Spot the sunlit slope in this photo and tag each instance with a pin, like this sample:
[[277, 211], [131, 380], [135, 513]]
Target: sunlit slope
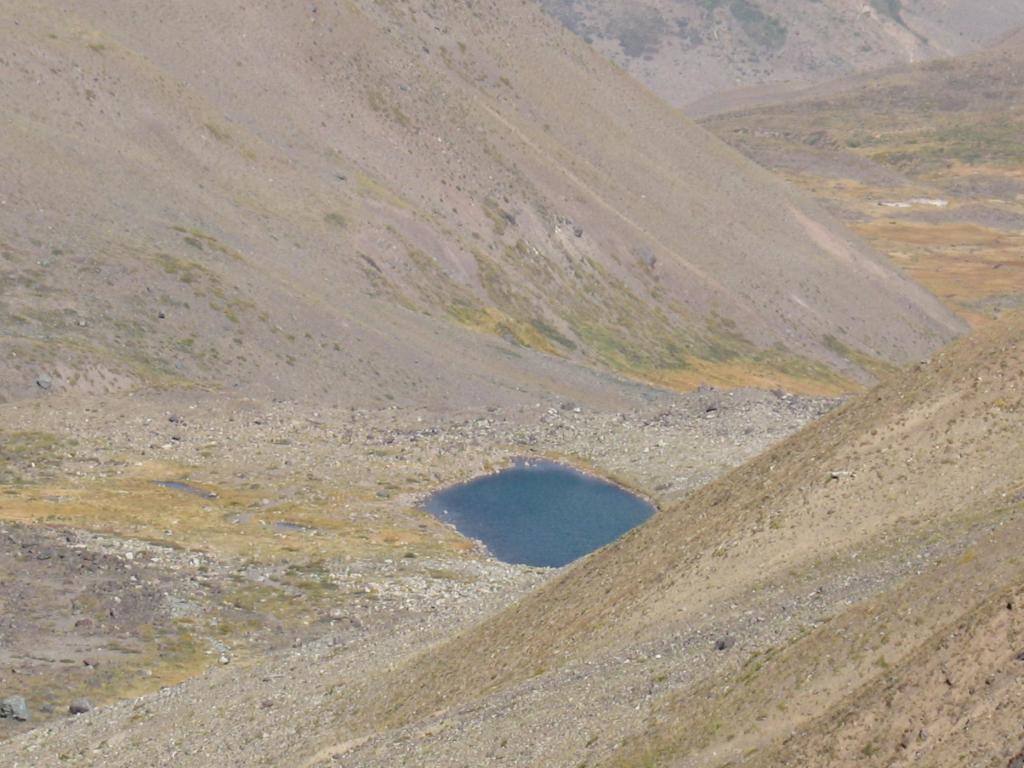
[[897, 514], [382, 202]]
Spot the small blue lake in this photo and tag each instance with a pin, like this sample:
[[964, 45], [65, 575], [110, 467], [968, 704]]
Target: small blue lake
[[539, 513]]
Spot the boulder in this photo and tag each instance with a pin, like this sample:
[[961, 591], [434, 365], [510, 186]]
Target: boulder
[[14, 708], [80, 706], [725, 643]]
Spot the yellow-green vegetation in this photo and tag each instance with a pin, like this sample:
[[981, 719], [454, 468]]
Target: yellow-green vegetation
[[964, 264], [879, 368], [233, 524], [494, 321], [952, 130], [155, 657], [969, 265], [161, 657], [500, 218], [720, 357], [336, 220], [678, 363], [187, 271], [218, 132], [382, 105], [202, 241], [290, 597], [615, 328], [764, 371]]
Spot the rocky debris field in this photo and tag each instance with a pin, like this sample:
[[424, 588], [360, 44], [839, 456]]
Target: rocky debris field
[[664, 448], [90, 619], [148, 540]]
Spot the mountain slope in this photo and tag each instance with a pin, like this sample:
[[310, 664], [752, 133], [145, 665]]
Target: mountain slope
[[371, 203], [867, 536], [686, 51]]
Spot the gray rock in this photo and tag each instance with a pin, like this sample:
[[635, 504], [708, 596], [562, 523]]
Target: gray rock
[[80, 706], [14, 708], [44, 381], [725, 643]]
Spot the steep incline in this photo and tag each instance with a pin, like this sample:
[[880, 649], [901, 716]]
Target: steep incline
[[898, 514], [375, 202]]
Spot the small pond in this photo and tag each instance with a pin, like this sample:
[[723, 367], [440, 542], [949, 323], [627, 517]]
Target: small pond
[[174, 485], [539, 513]]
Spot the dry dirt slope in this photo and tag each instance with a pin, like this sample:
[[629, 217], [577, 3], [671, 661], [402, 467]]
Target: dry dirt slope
[[697, 50], [370, 202], [900, 515]]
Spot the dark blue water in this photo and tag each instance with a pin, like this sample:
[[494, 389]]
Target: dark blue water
[[540, 513]]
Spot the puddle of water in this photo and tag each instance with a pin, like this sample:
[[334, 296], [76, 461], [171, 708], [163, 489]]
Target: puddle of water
[[539, 513], [174, 485]]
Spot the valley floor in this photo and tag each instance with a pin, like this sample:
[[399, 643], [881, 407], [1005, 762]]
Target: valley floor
[[298, 558]]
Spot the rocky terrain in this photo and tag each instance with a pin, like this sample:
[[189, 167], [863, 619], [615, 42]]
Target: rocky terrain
[[287, 524], [271, 274], [698, 54], [774, 616]]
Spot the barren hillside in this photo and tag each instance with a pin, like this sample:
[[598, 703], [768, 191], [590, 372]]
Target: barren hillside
[[697, 50], [374, 203]]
